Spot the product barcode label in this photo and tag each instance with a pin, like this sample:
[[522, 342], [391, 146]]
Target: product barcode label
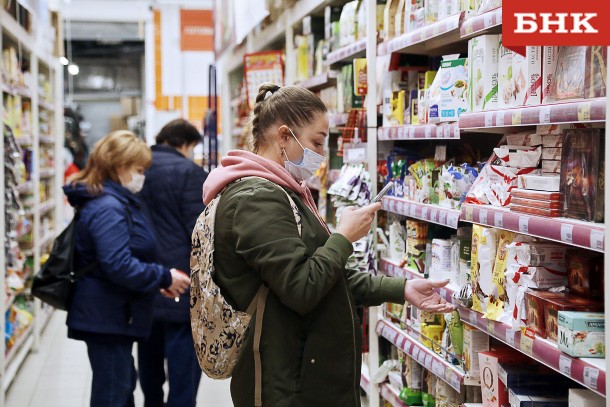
[[483, 216], [433, 215], [524, 224], [565, 365], [517, 118], [510, 338], [499, 220], [473, 318], [489, 119], [590, 377], [500, 119], [442, 218], [424, 212], [566, 233], [428, 132], [597, 240], [545, 114]]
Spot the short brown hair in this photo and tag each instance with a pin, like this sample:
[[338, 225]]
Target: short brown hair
[[293, 106], [118, 149]]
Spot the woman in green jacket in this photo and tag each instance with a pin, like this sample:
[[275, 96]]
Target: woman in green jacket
[[311, 336]]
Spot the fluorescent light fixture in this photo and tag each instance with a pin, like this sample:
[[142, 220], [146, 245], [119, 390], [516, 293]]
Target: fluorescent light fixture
[[64, 61], [73, 69]]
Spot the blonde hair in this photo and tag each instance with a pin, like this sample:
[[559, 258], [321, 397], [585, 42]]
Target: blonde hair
[[290, 105], [118, 149]]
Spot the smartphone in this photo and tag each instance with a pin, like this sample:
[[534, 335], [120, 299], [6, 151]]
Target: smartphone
[[381, 193]]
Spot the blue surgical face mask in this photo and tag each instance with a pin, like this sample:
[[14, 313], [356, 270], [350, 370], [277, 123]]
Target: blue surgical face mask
[[308, 165]]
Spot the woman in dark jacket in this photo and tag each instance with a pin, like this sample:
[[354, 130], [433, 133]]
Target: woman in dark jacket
[[112, 304], [172, 195], [311, 337]]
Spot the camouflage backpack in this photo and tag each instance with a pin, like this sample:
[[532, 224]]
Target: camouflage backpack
[[218, 329]]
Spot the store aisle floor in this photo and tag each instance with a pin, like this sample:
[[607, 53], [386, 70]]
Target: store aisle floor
[[59, 375]]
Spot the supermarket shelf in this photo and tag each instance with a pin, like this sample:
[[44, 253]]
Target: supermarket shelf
[[589, 372], [46, 105], [11, 27], [24, 233], [579, 111], [46, 140], [365, 378], [429, 213], [419, 132], [45, 314], [270, 35], [485, 23], [337, 120], [333, 175], [10, 299], [16, 91], [303, 8], [46, 206], [16, 356], [423, 355], [389, 394], [391, 268], [569, 231], [47, 239], [325, 80], [432, 39], [25, 188], [24, 140], [47, 172], [348, 53]]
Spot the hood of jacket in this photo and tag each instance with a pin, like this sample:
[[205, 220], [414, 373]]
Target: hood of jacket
[[78, 195], [240, 164]]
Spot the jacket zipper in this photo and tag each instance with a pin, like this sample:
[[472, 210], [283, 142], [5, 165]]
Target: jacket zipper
[[354, 381]]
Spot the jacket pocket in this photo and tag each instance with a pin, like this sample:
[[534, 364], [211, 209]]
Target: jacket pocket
[[308, 361]]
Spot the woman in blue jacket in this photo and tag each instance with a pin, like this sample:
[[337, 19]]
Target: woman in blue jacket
[[112, 304]]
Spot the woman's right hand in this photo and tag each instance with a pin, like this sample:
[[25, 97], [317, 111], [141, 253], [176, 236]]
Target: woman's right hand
[[356, 222], [180, 283]]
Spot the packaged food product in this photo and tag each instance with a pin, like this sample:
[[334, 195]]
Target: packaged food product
[[570, 74], [568, 302], [551, 166], [484, 246], [432, 8], [432, 334], [506, 82], [483, 55], [537, 254], [493, 390], [497, 297], [552, 140], [388, 19], [413, 374], [582, 174], [524, 139], [521, 398], [398, 239], [475, 341], [494, 184], [549, 66], [549, 213], [585, 273], [551, 153], [535, 306], [417, 235], [447, 98], [518, 156], [347, 24], [441, 260], [585, 398], [360, 79], [399, 18], [488, 5], [527, 72], [414, 104], [595, 76], [536, 204], [411, 8], [541, 278], [549, 183], [537, 195], [581, 334]]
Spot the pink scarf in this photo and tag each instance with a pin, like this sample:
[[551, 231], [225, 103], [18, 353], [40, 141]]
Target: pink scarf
[[239, 164]]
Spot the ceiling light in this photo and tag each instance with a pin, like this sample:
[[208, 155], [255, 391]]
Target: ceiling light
[[64, 61], [73, 69]]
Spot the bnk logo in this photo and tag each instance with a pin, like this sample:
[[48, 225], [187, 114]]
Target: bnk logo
[[555, 22]]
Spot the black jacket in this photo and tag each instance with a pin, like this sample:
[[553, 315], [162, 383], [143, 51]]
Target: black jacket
[[173, 195]]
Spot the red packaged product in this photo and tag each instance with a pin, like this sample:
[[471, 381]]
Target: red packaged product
[[549, 213], [551, 153], [569, 302], [535, 304], [551, 166], [585, 273], [552, 140], [536, 203], [538, 195]]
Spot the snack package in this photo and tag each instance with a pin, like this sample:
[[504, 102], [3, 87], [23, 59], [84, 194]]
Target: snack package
[[532, 210], [536, 254], [541, 278], [411, 393], [568, 302], [585, 398], [551, 166], [441, 260], [582, 175], [347, 24], [447, 98], [475, 341], [595, 76], [417, 235], [527, 72], [494, 184], [398, 240], [570, 74], [484, 247], [531, 398], [483, 55], [518, 156], [496, 300], [488, 5], [399, 18], [552, 140], [551, 153], [412, 15], [494, 391], [536, 195], [535, 204], [524, 139], [549, 66], [506, 81], [535, 304], [581, 334], [549, 183], [454, 184], [585, 273]]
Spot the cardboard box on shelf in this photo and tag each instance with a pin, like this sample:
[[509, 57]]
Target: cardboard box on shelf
[[569, 302], [551, 153], [595, 76], [475, 341], [581, 334], [447, 97], [493, 390], [551, 166], [549, 183], [549, 65], [483, 55], [585, 273], [585, 398], [506, 82], [527, 73], [552, 140]]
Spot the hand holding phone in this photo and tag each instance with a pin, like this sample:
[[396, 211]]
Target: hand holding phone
[[383, 192]]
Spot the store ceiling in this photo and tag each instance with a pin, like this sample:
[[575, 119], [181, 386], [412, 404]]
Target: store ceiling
[[108, 32]]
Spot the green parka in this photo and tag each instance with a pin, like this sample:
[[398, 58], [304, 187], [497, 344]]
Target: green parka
[[311, 336]]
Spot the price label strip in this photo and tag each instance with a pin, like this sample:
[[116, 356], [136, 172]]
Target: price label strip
[[524, 224], [590, 376], [597, 240], [473, 318], [584, 112], [499, 219], [483, 216], [510, 337], [500, 119], [545, 115], [527, 341], [567, 233], [428, 132], [489, 119], [517, 118], [565, 365], [442, 218]]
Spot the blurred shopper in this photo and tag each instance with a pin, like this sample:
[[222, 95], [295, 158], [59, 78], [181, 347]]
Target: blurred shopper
[[172, 193], [112, 303]]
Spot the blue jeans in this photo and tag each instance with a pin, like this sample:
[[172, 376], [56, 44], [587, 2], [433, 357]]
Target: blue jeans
[[174, 342], [114, 373]]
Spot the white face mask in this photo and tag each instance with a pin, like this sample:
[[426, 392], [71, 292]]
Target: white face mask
[[308, 165], [136, 184]]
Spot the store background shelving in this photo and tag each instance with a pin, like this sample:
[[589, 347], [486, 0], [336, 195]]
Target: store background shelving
[[448, 36], [43, 93]]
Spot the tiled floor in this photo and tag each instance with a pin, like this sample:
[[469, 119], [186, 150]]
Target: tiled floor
[[59, 375]]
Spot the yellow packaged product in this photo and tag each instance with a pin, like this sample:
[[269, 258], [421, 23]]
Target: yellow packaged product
[[498, 296], [484, 244]]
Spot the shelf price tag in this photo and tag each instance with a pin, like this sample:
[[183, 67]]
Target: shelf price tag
[[566, 233], [454, 381], [565, 365], [438, 369], [584, 112], [412, 211], [489, 119], [489, 20], [429, 132], [499, 219], [411, 132], [545, 114], [429, 362], [483, 216], [468, 27], [473, 318], [597, 240], [453, 220], [456, 131], [527, 341], [500, 119], [524, 224], [424, 212], [446, 131], [491, 327], [433, 215], [442, 218], [469, 213], [415, 354], [590, 377], [510, 337], [517, 118]]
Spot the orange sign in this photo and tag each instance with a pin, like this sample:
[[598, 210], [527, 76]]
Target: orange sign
[[196, 30]]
